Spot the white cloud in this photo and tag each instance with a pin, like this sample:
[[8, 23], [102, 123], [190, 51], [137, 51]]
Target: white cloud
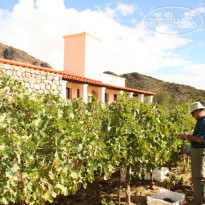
[[125, 9], [120, 9], [131, 54], [3, 13], [110, 12], [193, 75], [200, 9], [197, 69], [193, 12], [39, 29]]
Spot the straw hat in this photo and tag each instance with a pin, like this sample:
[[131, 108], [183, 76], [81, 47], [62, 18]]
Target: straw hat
[[195, 106]]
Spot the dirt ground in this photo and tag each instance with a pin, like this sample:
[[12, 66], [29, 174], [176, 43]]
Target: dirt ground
[[106, 192]]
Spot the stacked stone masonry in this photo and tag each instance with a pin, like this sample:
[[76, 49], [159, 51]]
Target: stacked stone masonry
[[35, 80]]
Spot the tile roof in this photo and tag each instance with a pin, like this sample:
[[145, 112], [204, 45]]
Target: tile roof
[[75, 78]]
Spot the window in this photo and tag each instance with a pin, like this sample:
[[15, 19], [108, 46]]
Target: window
[[78, 93], [106, 98], [115, 97], [68, 94]]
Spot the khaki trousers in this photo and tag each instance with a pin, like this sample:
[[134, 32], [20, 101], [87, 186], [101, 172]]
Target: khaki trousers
[[198, 174]]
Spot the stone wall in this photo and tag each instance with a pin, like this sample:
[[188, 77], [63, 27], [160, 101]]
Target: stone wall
[[35, 80]]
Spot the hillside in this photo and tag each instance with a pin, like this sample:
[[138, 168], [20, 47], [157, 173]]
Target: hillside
[[10, 53], [166, 92]]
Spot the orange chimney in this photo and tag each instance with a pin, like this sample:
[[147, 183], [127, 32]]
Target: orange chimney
[[82, 55]]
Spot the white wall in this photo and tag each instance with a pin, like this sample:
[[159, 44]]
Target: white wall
[[93, 57], [112, 80]]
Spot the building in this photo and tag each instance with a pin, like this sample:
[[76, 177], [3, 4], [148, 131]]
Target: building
[[82, 76]]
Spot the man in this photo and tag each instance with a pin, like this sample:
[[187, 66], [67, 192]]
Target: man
[[197, 140]]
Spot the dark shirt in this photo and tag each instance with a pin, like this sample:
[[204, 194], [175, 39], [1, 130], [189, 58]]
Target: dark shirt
[[199, 131]]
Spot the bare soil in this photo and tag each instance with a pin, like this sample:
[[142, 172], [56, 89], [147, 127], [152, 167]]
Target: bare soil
[[106, 192]]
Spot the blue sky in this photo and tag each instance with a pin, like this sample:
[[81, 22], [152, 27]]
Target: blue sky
[[37, 27]]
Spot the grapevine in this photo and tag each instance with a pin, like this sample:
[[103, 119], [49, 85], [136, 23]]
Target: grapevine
[[49, 146]]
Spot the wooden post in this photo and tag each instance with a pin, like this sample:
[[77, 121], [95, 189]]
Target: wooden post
[[188, 161], [119, 187], [151, 180], [185, 163], [128, 180]]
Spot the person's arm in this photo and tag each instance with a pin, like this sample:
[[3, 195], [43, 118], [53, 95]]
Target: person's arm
[[190, 137]]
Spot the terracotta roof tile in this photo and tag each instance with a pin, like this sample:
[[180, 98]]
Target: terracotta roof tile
[[76, 78]]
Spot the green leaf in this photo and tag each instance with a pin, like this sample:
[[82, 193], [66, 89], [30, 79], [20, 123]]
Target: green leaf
[[74, 175], [32, 145]]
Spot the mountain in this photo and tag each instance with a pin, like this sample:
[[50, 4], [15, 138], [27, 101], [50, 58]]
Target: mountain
[[11, 53], [167, 93]]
